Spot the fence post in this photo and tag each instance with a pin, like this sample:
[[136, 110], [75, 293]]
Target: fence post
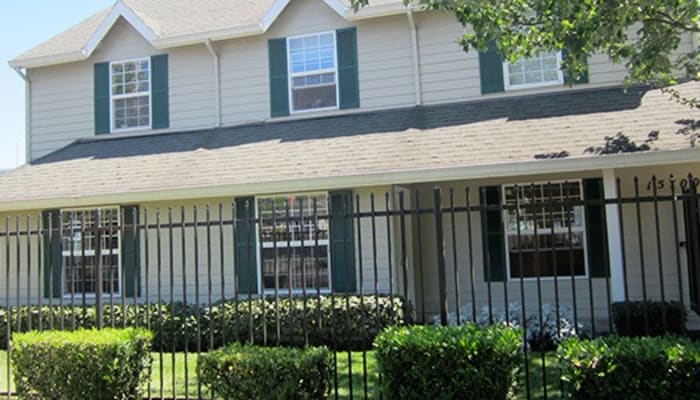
[[98, 265], [440, 251]]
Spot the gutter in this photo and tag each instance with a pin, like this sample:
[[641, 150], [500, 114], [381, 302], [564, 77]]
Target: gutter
[[217, 81], [27, 112], [416, 56], [431, 175]]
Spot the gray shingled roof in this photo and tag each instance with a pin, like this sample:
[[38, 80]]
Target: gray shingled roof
[[492, 132], [167, 19]]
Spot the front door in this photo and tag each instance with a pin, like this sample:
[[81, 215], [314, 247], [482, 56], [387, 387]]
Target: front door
[[692, 237]]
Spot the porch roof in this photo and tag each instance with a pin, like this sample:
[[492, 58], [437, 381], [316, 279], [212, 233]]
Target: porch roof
[[563, 131]]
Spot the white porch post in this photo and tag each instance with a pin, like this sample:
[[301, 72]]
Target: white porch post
[[612, 222]]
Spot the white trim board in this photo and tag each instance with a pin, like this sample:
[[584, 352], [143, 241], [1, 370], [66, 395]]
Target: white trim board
[[118, 10]]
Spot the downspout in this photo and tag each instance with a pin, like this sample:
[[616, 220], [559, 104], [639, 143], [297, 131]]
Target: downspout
[[217, 81], [27, 113], [416, 57]]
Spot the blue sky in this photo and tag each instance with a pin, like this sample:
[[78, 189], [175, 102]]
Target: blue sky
[[24, 24]]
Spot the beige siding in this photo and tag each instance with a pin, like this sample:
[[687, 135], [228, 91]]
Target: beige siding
[[672, 260], [384, 57], [19, 258], [62, 95]]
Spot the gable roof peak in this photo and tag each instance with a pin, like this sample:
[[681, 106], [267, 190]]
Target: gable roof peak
[[145, 27]]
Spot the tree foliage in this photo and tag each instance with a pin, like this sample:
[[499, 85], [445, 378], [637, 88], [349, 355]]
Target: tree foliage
[[644, 35]]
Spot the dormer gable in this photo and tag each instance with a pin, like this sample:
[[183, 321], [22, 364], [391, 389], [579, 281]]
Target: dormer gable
[[175, 23]]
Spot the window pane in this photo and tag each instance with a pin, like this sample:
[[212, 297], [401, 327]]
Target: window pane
[[314, 97], [311, 53], [297, 267], [544, 264], [81, 250], [542, 68], [294, 235], [131, 112], [544, 222]]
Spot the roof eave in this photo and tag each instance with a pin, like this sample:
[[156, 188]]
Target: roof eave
[[44, 61], [384, 10], [465, 172], [200, 37]]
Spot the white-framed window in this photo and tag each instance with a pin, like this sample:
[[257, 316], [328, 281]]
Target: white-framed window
[[130, 94], [543, 69], [295, 246], [546, 233], [313, 75], [80, 251]]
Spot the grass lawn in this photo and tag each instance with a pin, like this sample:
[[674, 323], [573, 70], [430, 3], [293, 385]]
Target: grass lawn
[[350, 377]]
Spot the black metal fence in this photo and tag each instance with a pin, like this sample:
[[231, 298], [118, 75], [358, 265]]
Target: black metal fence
[[335, 268]]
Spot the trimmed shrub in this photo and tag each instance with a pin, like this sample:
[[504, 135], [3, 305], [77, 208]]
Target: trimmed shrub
[[628, 317], [457, 362], [335, 321], [274, 373], [630, 368], [106, 364]]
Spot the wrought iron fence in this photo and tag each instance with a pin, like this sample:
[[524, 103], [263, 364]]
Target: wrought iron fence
[[554, 258]]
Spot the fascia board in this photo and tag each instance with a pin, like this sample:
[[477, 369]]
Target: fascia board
[[201, 37], [119, 10]]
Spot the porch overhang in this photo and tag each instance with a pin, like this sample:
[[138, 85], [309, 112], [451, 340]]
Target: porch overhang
[[404, 177]]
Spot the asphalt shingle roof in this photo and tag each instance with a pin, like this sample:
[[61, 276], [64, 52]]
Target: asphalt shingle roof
[[507, 130], [167, 19]]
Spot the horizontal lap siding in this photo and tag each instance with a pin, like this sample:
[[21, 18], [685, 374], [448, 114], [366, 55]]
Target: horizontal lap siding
[[447, 72], [244, 81], [385, 63], [20, 273], [62, 95], [61, 106], [669, 258], [192, 92]]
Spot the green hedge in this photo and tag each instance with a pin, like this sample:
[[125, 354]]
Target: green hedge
[[107, 364], [457, 362], [274, 373], [628, 317], [338, 322], [630, 368]]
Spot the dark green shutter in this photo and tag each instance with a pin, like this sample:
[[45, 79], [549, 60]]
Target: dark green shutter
[[491, 70], [492, 234], [159, 91], [101, 82], [348, 77], [131, 252], [53, 259], [246, 246], [595, 227], [279, 89], [583, 78], [342, 242]]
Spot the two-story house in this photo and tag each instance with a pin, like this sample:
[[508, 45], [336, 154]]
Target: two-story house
[[163, 105]]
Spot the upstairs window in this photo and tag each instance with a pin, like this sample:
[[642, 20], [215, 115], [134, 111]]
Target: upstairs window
[[312, 72], [130, 94], [540, 70]]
